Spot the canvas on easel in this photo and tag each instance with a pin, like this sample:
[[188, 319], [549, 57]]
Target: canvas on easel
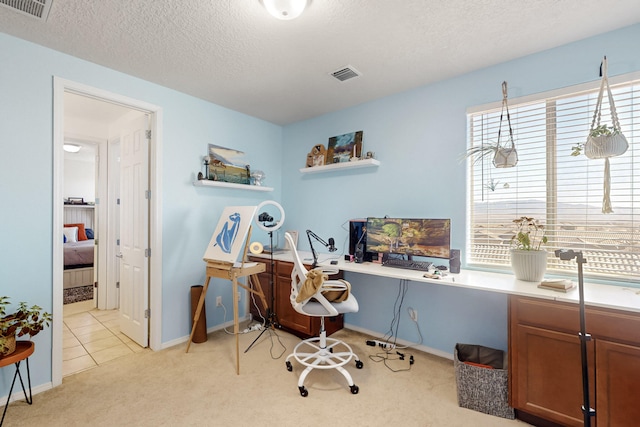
[[229, 236]]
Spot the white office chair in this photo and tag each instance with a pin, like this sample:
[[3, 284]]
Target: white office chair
[[320, 352]]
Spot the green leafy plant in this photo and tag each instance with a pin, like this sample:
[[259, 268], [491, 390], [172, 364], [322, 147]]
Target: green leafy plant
[[24, 321], [602, 130], [478, 152], [529, 235]]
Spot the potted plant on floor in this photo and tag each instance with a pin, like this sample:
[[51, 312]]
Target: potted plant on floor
[[528, 260], [25, 320]]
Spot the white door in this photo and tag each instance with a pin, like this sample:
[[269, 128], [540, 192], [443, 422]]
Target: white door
[[134, 231]]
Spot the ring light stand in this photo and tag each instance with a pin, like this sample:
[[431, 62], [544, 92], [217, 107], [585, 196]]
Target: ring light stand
[[266, 222]]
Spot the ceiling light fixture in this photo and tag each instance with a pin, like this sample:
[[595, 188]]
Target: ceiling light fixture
[[285, 9], [71, 148]]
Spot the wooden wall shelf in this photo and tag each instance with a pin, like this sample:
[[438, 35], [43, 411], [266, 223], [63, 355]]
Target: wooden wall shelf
[[367, 163], [206, 183]]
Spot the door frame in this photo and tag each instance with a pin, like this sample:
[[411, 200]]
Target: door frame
[[60, 86]]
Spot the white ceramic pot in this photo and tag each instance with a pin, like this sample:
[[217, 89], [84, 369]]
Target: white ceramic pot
[[529, 266]]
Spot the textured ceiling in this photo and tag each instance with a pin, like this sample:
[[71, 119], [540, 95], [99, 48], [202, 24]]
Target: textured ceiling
[[232, 53]]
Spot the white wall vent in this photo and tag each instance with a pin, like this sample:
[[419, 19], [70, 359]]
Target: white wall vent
[[38, 9], [344, 73]]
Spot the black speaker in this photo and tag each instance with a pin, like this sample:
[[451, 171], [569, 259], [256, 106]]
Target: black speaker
[[454, 261], [359, 255]]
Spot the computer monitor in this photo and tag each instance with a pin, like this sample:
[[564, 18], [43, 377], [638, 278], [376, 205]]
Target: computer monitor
[[412, 237]]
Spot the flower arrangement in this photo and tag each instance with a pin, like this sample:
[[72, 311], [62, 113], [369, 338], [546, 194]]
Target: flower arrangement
[[25, 321], [529, 235]]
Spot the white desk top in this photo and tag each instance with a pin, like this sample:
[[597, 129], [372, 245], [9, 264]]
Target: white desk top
[[597, 295]]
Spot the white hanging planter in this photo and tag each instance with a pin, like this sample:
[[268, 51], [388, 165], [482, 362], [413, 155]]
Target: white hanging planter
[[529, 266], [604, 146], [604, 141]]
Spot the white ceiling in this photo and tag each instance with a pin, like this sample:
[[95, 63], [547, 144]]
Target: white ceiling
[[232, 53]]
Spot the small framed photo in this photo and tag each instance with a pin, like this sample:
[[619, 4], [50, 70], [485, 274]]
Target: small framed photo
[[344, 148], [316, 156]]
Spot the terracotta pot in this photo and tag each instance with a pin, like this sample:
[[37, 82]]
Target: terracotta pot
[[529, 266]]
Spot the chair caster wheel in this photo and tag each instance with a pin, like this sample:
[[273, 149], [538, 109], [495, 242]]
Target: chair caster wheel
[[305, 393], [289, 367], [354, 389], [359, 364]]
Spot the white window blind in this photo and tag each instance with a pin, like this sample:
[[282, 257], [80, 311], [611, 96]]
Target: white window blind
[[563, 192]]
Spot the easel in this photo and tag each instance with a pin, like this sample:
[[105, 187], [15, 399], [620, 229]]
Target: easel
[[226, 270]]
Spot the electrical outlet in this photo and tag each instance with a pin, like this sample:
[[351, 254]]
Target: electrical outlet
[[413, 314], [218, 301]]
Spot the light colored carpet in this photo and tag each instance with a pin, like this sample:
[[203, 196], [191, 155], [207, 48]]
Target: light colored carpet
[[201, 388]]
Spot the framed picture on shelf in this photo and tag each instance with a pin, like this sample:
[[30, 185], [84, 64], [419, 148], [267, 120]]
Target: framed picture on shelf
[[228, 165], [343, 148]]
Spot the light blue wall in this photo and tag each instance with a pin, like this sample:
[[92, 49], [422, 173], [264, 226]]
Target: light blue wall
[[189, 213], [418, 136]]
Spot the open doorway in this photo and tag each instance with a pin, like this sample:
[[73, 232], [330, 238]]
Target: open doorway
[[106, 119]]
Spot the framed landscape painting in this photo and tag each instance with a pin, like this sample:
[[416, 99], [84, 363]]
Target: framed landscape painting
[[343, 147]]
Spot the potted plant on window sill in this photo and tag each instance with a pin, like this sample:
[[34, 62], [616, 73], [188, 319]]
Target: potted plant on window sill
[[25, 321], [528, 261]]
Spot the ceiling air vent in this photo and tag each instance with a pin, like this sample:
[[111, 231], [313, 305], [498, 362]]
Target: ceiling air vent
[[38, 9], [343, 74]]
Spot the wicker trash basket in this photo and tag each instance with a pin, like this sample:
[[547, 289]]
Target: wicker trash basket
[[482, 380]]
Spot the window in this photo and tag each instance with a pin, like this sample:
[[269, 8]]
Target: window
[[562, 191]]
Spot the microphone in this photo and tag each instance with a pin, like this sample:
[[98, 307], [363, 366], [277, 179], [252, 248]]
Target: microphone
[[332, 243]]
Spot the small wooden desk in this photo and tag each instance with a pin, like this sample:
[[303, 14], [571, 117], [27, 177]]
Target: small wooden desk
[[24, 349], [228, 271]]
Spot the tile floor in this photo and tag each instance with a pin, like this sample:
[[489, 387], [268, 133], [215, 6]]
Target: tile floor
[[92, 337]]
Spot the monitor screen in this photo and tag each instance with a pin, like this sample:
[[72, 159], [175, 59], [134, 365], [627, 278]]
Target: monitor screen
[[415, 237]]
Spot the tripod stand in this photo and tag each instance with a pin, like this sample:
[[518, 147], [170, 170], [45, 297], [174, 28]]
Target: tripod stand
[[587, 411], [271, 320]]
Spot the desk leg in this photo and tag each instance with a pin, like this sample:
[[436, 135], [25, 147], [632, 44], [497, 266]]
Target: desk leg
[[236, 327], [196, 315]]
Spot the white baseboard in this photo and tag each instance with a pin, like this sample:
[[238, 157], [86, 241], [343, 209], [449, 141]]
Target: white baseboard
[[402, 342], [185, 338], [19, 395]]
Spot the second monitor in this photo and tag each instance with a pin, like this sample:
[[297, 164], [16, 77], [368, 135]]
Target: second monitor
[[409, 236]]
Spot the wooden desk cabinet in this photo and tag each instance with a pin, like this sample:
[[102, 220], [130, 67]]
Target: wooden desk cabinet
[[289, 319], [545, 374]]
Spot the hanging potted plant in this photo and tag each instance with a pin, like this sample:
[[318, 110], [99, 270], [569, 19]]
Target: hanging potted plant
[[604, 141], [504, 154], [528, 260], [25, 321]]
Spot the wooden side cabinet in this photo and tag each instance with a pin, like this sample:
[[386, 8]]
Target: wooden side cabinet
[[545, 367], [288, 319]]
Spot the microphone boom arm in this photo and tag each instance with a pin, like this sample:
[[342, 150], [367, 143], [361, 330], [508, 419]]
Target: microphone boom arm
[[311, 234]]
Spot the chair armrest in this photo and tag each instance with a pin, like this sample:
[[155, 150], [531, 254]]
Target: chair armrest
[[333, 285]]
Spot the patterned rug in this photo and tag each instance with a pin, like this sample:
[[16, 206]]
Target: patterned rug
[[81, 293]]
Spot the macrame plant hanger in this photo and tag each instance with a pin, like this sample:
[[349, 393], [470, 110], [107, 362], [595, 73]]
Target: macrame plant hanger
[[603, 144], [506, 155]]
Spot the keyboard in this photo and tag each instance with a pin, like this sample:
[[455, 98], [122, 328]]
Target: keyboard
[[407, 264]]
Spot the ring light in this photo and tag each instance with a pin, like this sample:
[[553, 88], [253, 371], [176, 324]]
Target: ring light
[[276, 224]]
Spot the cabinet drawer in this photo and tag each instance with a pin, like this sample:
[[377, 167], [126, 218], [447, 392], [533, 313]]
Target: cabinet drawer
[[622, 326], [618, 325], [284, 269], [546, 314]]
